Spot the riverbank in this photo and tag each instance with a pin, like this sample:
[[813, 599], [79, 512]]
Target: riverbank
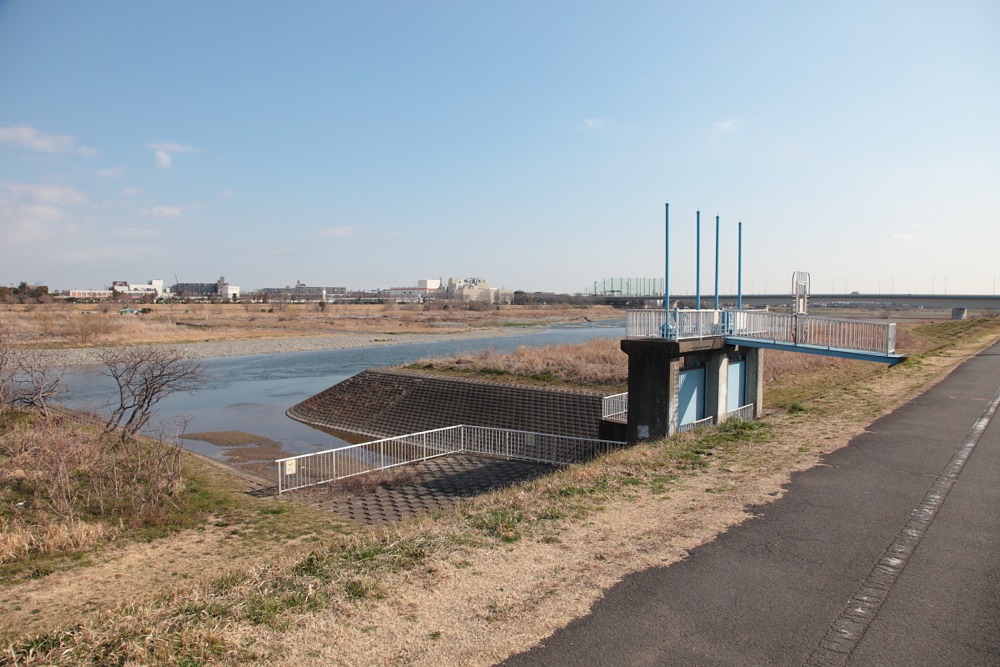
[[469, 585], [258, 346]]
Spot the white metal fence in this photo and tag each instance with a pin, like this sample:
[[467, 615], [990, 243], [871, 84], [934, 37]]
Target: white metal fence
[[825, 332], [296, 472], [615, 407], [744, 412], [690, 426]]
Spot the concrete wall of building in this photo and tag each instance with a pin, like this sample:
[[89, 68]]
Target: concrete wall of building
[[654, 366]]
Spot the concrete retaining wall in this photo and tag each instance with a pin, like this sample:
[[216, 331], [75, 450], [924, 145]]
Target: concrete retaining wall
[[381, 403]]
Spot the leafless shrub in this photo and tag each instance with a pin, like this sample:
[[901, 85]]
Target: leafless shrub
[[144, 376], [66, 473], [88, 328], [30, 380], [6, 368]]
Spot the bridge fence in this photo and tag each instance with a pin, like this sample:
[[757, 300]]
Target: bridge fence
[[823, 332], [304, 470]]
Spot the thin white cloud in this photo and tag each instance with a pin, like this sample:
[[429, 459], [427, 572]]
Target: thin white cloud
[[593, 123], [43, 192], [725, 126], [28, 137], [36, 140], [338, 232], [131, 192], [164, 159], [162, 212], [32, 211], [111, 172], [164, 152]]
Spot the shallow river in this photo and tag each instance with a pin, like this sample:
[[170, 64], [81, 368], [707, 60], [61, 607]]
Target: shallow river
[[251, 394]]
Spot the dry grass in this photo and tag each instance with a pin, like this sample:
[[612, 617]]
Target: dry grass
[[595, 363], [69, 325], [18, 539], [499, 573]]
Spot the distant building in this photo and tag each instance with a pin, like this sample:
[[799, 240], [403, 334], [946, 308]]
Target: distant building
[[151, 288], [476, 289], [90, 294], [302, 292], [426, 290], [219, 289]]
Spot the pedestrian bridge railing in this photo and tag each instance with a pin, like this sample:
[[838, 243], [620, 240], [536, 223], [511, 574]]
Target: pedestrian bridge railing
[[780, 328], [297, 472]]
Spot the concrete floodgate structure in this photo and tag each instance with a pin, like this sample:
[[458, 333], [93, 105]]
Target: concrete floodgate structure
[[674, 384], [685, 369], [456, 437]]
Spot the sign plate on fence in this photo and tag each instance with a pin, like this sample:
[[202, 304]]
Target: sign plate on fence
[[290, 467]]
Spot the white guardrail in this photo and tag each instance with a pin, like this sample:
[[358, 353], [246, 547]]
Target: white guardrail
[[615, 407], [297, 472], [824, 332], [744, 412]]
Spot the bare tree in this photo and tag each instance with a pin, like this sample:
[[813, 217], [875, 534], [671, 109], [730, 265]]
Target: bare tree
[[145, 376], [6, 368], [34, 380]]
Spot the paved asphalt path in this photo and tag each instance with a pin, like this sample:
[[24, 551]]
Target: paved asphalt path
[[886, 554]]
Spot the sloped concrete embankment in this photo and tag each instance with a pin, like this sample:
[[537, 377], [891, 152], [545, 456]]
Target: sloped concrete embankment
[[381, 403]]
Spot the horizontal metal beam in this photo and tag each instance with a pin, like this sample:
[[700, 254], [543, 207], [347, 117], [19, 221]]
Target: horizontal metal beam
[[891, 359]]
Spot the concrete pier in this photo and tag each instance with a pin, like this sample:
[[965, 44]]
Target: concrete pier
[[654, 369]]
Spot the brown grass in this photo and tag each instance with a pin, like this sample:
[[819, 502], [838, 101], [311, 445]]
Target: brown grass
[[596, 363], [69, 325], [499, 573]]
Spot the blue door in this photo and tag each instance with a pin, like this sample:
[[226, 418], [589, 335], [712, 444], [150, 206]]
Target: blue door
[[736, 390], [691, 395]]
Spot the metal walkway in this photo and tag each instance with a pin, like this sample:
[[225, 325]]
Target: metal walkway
[[867, 340]]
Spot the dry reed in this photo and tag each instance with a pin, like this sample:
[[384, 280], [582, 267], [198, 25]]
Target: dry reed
[[597, 362]]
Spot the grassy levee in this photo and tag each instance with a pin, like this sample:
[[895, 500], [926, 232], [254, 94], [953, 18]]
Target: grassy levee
[[498, 573]]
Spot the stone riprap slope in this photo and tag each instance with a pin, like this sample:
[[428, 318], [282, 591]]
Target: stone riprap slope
[[383, 403]]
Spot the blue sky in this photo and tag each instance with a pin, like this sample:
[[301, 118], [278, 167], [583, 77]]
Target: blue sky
[[374, 143]]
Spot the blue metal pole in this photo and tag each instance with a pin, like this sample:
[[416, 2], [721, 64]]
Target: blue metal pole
[[697, 263], [716, 262], [739, 270], [666, 273]]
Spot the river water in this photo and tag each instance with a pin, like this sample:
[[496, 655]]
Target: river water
[[251, 394]]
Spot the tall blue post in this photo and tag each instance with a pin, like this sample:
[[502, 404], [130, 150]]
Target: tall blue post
[[716, 262], [739, 270], [697, 262], [666, 272]]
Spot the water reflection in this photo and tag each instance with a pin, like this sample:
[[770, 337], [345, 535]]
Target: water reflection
[[251, 394]]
